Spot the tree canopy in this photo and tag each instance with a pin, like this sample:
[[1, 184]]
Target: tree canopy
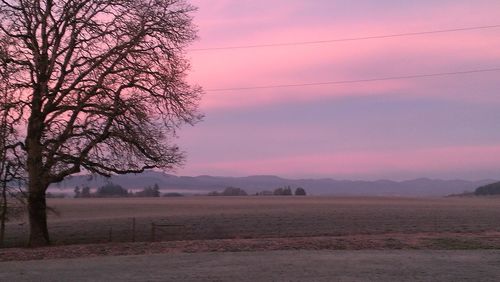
[[98, 86]]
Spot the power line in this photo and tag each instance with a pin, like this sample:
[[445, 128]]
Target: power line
[[346, 39], [355, 81]]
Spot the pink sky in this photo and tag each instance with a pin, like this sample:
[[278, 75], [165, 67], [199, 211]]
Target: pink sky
[[446, 127]]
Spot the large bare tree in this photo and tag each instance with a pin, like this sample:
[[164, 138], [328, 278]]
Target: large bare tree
[[100, 86]]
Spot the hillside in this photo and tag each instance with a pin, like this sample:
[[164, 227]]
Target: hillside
[[252, 184], [488, 190]]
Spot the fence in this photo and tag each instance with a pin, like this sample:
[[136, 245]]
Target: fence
[[103, 231], [155, 228]]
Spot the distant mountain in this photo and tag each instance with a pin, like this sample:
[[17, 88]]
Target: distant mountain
[[488, 190], [253, 184]]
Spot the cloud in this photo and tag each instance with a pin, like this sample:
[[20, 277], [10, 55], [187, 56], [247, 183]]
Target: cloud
[[337, 61], [442, 126], [396, 164]]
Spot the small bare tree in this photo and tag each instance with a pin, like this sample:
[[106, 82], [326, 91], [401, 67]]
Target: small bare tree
[[11, 165], [101, 87], [5, 168]]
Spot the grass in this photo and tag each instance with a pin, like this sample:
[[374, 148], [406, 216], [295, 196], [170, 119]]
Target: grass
[[102, 220], [447, 243]]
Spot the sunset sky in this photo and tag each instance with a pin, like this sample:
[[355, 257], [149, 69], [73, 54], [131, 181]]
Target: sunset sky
[[440, 127]]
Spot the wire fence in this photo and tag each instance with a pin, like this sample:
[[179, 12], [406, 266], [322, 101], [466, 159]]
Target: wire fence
[[255, 226]]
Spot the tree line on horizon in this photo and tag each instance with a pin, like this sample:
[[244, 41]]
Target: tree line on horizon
[[281, 191], [112, 190]]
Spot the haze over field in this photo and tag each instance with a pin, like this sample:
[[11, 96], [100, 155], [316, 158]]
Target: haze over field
[[441, 127]]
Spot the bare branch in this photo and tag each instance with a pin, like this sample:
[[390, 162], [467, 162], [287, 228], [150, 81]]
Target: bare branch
[[97, 85]]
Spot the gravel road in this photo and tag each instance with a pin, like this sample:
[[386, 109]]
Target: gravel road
[[480, 265]]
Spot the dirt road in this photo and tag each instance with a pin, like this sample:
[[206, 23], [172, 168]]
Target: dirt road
[[267, 266]]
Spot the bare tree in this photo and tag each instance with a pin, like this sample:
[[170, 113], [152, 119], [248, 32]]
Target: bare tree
[[11, 165], [5, 169], [101, 87]]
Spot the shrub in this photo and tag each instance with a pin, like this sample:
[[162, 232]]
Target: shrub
[[173, 194], [149, 191], [234, 191], [229, 191], [78, 192], [300, 191], [85, 192], [111, 190], [285, 191]]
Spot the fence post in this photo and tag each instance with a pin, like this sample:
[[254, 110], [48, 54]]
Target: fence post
[[133, 229], [153, 232], [110, 234]]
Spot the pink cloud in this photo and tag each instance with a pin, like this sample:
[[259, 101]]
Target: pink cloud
[[402, 138], [253, 98], [338, 61], [319, 63], [368, 163]]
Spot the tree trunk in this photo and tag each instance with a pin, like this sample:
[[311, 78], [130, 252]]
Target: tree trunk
[[37, 205], [3, 213], [37, 208], [37, 184]]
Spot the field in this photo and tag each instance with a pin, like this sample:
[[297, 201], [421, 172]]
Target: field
[[83, 221]]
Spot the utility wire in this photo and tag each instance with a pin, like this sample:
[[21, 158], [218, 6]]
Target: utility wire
[[355, 81], [346, 39]]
